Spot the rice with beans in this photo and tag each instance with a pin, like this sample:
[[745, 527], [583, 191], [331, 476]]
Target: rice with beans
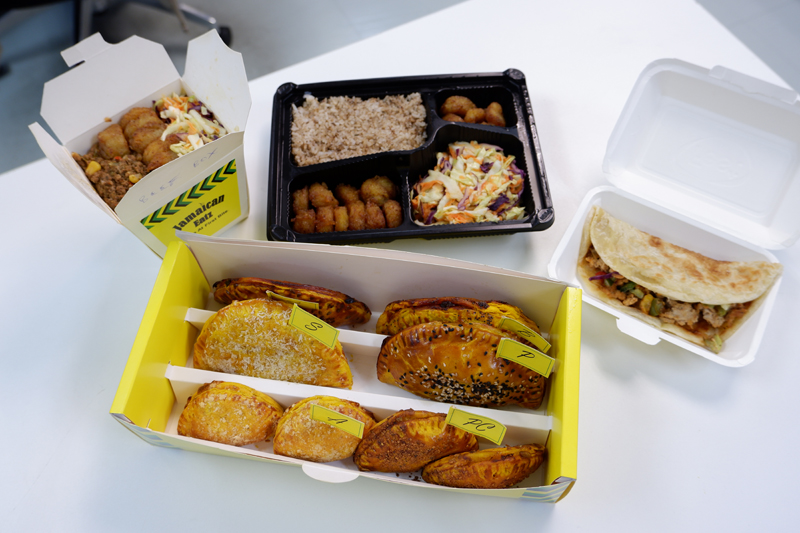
[[339, 127]]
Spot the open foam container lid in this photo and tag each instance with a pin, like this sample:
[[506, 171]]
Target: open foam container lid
[[716, 146]]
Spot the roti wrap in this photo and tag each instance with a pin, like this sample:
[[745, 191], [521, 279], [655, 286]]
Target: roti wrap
[[671, 271]]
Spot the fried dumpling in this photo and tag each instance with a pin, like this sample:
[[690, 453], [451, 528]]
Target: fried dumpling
[[456, 363], [408, 440], [492, 468], [229, 413], [335, 308], [401, 314], [301, 437], [254, 338]]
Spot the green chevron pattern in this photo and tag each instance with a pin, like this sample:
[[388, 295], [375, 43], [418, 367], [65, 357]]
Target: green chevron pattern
[[185, 199]]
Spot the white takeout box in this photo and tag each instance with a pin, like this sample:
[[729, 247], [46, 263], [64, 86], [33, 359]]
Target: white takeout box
[[204, 191], [708, 160]]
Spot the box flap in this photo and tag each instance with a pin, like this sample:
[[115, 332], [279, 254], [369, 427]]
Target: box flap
[[71, 105], [215, 74], [714, 145]]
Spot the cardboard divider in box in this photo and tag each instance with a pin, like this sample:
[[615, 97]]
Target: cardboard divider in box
[[159, 376], [204, 191], [404, 168]]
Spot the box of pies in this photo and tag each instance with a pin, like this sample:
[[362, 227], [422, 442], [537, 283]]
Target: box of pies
[[387, 365], [704, 185]]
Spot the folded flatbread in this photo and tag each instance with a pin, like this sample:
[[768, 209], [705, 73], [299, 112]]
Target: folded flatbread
[[700, 299]]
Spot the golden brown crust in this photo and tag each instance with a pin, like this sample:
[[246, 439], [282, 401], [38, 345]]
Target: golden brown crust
[[301, 437], [493, 468], [335, 308], [254, 338], [456, 363], [408, 440], [401, 314], [229, 413]]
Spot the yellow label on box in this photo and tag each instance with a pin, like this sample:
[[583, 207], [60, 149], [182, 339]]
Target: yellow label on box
[[477, 425], [316, 327], [525, 332], [302, 303], [206, 208], [337, 420], [526, 356]]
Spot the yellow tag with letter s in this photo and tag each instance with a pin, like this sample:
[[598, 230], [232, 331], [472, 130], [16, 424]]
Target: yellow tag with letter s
[[311, 325]]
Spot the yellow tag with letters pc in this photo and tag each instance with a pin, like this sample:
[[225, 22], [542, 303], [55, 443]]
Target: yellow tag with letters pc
[[477, 425], [316, 327], [525, 332], [526, 356], [337, 420], [302, 303]]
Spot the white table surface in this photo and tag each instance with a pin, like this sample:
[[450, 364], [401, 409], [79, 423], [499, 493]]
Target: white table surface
[[668, 441]]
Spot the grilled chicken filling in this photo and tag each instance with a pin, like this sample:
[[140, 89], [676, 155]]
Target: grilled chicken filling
[[707, 321]]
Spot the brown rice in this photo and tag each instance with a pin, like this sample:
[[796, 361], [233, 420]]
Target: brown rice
[[342, 126]]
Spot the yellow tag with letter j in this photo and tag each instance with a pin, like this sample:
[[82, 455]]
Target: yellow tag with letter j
[[311, 325], [525, 356], [477, 425], [337, 420]]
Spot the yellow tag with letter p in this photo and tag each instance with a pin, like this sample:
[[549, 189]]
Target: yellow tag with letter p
[[311, 325], [338, 420], [525, 332], [525, 356], [481, 426]]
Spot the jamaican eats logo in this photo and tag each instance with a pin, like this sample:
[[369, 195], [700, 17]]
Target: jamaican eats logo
[[201, 214]]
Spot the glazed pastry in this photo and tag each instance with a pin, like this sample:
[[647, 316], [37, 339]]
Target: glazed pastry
[[456, 363], [229, 413], [254, 338], [301, 437], [408, 440], [493, 468], [401, 314], [335, 308]]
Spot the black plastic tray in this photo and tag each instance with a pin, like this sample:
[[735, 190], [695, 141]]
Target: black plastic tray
[[518, 138]]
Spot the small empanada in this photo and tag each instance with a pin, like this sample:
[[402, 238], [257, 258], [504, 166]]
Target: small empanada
[[254, 338], [335, 308], [229, 413], [408, 440], [301, 437], [401, 314], [492, 468]]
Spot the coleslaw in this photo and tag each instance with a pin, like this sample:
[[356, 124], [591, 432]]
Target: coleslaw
[[471, 182], [190, 120]]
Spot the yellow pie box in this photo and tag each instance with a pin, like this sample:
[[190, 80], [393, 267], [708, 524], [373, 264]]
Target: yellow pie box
[[202, 192], [159, 377]]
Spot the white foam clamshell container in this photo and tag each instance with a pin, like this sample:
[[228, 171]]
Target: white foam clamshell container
[[708, 160]]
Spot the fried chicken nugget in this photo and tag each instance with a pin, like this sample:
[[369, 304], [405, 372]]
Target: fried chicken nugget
[[158, 152], [475, 116], [494, 115], [452, 117], [325, 219], [321, 196], [340, 219], [347, 194], [374, 216], [378, 189], [300, 200], [229, 413], [457, 105], [305, 221], [493, 468], [111, 142], [393, 213], [357, 214], [145, 128], [131, 115]]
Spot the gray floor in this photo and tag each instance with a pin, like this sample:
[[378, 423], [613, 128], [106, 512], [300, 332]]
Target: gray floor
[[266, 33]]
